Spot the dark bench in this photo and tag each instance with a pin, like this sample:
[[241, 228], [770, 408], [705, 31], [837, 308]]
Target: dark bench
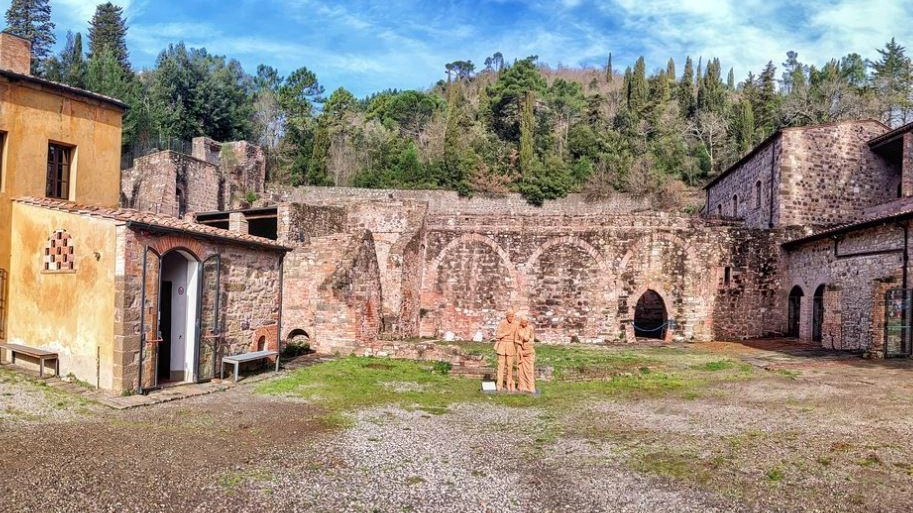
[[40, 354], [238, 359]]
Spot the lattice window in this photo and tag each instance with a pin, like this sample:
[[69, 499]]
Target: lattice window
[[60, 253]]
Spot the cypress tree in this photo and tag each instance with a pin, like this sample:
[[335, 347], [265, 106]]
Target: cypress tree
[[527, 144], [31, 19], [609, 74], [686, 89], [744, 126], [670, 69], [730, 80], [639, 93], [108, 29], [453, 134]]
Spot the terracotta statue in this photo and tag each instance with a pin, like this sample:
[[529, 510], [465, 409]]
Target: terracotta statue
[[526, 355], [506, 348]]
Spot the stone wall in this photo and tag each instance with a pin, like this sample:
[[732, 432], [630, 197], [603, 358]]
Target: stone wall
[[332, 292], [752, 184], [579, 278], [854, 281], [249, 281], [829, 176], [217, 176], [171, 183]]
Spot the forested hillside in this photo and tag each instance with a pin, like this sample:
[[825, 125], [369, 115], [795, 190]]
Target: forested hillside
[[512, 124]]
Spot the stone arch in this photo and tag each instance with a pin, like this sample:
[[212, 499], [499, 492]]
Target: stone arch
[[568, 298], [462, 293], [650, 315], [794, 314], [474, 237], [265, 338], [637, 283]]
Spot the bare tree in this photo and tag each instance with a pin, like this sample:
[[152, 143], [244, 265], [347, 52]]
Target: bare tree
[[711, 129]]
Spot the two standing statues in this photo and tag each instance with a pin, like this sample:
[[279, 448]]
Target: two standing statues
[[514, 341]]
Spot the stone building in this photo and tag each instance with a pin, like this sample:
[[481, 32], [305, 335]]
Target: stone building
[[128, 299], [806, 236]]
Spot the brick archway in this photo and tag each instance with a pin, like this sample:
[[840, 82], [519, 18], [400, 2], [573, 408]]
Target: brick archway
[[265, 336]]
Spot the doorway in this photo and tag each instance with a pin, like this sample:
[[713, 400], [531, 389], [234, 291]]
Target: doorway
[[650, 316], [818, 313], [178, 308], [794, 311]]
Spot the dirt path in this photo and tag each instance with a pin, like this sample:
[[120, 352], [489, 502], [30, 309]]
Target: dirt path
[[822, 435]]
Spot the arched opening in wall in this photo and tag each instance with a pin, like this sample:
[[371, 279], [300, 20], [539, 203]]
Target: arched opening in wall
[[817, 313], [650, 316], [297, 343], [261, 344], [178, 316], [793, 314]]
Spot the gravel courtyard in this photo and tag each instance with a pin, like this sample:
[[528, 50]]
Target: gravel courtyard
[[704, 427]]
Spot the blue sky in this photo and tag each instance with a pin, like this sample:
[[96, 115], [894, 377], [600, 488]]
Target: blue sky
[[367, 46]]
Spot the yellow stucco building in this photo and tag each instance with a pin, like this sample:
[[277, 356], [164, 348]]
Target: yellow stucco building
[[128, 300], [55, 141]]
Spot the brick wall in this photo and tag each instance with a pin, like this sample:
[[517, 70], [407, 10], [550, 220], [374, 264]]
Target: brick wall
[[332, 292], [581, 277], [168, 182]]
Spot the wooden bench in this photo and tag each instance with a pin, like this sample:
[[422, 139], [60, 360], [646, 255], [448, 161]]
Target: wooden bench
[[238, 359], [40, 354]]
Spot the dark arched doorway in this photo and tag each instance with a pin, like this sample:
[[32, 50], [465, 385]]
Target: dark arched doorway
[[650, 316], [793, 314], [818, 313]]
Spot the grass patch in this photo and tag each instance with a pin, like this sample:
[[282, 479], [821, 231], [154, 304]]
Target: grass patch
[[714, 366], [775, 474], [234, 479], [673, 464]]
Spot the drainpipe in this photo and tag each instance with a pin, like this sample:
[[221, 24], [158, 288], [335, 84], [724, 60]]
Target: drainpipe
[[281, 292], [773, 151]]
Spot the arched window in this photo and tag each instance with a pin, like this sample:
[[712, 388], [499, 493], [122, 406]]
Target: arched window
[[735, 205], [757, 194], [60, 253], [719, 210]]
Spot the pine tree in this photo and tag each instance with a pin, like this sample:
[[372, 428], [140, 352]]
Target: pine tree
[[108, 29], [893, 77], [670, 69], [70, 66], [31, 19]]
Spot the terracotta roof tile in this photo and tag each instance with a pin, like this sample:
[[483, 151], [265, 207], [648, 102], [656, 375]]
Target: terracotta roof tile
[[152, 220]]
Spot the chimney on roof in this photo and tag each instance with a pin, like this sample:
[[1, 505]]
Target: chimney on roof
[[15, 53]]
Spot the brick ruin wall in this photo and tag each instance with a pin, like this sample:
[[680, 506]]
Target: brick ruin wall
[[828, 175], [249, 296], [217, 176], [578, 276], [581, 277], [332, 292]]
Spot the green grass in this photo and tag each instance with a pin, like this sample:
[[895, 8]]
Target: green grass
[[581, 373]]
